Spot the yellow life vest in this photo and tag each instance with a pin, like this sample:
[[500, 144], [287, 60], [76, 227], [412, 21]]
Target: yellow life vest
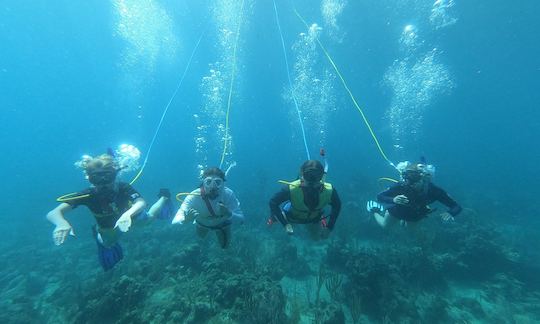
[[299, 211]]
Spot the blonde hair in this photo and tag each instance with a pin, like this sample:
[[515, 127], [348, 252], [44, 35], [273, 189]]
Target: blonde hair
[[103, 161]]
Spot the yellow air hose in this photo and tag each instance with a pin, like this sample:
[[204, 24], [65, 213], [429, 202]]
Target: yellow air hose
[[366, 122], [180, 194], [226, 139], [70, 197]]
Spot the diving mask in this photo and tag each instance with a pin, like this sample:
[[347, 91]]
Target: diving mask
[[102, 177], [213, 182], [412, 176]]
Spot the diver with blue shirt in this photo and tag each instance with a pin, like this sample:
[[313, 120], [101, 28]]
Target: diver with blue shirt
[[114, 205], [409, 199]]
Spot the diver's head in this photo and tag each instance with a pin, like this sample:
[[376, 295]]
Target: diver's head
[[311, 173], [416, 175], [101, 170], [213, 181]]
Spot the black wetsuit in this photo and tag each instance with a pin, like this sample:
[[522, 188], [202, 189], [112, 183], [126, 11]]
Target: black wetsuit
[[311, 199], [107, 205], [417, 208]]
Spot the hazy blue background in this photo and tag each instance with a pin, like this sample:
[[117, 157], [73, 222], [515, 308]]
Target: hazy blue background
[[63, 93]]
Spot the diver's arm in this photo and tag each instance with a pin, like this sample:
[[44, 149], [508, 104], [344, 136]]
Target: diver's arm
[[335, 203], [387, 196], [56, 216], [279, 198], [184, 210], [442, 196], [233, 205], [63, 228], [124, 222], [180, 216], [137, 202], [136, 208]]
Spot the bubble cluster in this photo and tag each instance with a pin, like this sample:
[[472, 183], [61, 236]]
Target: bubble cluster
[[418, 76], [128, 157], [409, 40], [148, 32], [442, 14], [215, 84], [312, 85], [200, 142], [331, 10], [415, 82]]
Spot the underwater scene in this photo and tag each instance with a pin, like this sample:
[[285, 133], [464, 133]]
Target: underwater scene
[[270, 161]]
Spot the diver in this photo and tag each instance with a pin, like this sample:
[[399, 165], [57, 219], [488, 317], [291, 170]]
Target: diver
[[114, 204], [212, 207], [409, 199], [304, 201]]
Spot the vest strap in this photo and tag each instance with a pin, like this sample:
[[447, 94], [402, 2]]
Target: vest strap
[[207, 202]]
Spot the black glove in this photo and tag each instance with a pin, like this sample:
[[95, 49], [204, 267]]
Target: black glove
[[164, 193]]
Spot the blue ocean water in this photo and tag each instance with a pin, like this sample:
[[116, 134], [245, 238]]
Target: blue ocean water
[[454, 81]]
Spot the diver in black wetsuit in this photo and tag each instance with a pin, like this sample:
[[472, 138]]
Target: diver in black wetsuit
[[114, 205], [410, 198], [303, 202]]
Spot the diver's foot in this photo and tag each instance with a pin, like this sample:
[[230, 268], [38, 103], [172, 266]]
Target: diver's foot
[[97, 234], [164, 192], [374, 207], [289, 229]]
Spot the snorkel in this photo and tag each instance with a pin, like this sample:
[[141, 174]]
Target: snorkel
[[322, 153]]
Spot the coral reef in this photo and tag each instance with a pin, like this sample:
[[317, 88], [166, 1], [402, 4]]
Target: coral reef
[[466, 272]]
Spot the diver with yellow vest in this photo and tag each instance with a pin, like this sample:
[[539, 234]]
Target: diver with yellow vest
[[304, 202]]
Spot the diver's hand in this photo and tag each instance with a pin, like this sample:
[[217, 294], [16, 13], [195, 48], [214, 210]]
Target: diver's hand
[[289, 229], [447, 217], [61, 232], [191, 215], [401, 200], [187, 216], [224, 211], [179, 218], [124, 222]]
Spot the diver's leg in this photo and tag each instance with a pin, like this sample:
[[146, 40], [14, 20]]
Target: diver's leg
[[156, 207], [386, 220], [224, 236], [141, 219], [412, 226], [380, 219], [416, 229], [108, 250], [163, 208], [202, 231], [314, 231], [108, 236]]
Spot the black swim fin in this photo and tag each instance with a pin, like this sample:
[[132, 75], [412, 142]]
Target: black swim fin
[[167, 210]]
